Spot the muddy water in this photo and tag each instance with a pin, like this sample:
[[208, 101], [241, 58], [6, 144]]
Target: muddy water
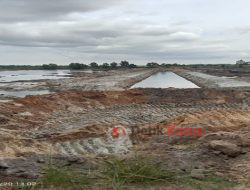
[[25, 75], [165, 80], [22, 93], [10, 78], [19, 83]]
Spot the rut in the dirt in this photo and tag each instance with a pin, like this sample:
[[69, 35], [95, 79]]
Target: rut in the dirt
[[32, 124], [225, 117]]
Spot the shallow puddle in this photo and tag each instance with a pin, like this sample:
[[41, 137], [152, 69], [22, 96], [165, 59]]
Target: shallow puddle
[[26, 75], [22, 93]]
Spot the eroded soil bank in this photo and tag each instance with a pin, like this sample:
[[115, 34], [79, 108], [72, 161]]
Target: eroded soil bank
[[69, 129], [207, 79], [72, 125]]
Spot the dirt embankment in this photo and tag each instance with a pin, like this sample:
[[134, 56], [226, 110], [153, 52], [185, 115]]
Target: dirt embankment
[[119, 79], [103, 81], [211, 81], [74, 123], [230, 71]]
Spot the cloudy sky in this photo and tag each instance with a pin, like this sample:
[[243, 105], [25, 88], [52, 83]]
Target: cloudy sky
[[183, 31]]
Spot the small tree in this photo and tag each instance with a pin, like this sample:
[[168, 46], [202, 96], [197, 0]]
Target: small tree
[[50, 66], [163, 65], [113, 64], [74, 66], [94, 65], [124, 64], [152, 64], [240, 62], [77, 66], [105, 65], [132, 66]]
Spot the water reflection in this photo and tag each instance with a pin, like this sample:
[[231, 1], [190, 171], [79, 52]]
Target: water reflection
[[22, 93], [23, 75], [165, 80]]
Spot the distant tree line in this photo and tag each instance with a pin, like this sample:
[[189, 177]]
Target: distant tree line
[[155, 65], [81, 66], [33, 67], [73, 66], [50, 66], [242, 63], [94, 65], [115, 65]]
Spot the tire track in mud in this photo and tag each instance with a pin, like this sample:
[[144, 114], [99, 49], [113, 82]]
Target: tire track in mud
[[137, 114], [92, 124], [221, 117], [216, 120]]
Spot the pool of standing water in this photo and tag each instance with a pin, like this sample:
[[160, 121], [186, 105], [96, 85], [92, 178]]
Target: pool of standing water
[[165, 80], [26, 75]]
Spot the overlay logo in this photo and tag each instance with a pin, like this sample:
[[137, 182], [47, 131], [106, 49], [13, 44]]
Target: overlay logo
[[118, 133]]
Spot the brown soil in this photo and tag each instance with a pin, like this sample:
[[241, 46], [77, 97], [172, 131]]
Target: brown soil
[[74, 123]]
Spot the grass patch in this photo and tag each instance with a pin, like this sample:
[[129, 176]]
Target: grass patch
[[135, 173], [143, 173], [57, 178], [139, 171]]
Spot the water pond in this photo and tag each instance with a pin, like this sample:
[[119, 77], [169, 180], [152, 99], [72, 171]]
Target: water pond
[[165, 80]]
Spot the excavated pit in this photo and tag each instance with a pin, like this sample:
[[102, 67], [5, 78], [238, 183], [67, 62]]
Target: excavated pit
[[73, 124]]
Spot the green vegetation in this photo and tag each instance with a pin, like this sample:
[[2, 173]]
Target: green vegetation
[[122, 174], [122, 65], [113, 65], [132, 66], [58, 178], [241, 62], [152, 65], [126, 64], [77, 66], [50, 66], [93, 65], [105, 66], [33, 67], [20, 67], [143, 173], [163, 65]]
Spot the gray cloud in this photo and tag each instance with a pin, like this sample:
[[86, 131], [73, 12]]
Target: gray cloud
[[63, 30], [30, 10], [75, 34]]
